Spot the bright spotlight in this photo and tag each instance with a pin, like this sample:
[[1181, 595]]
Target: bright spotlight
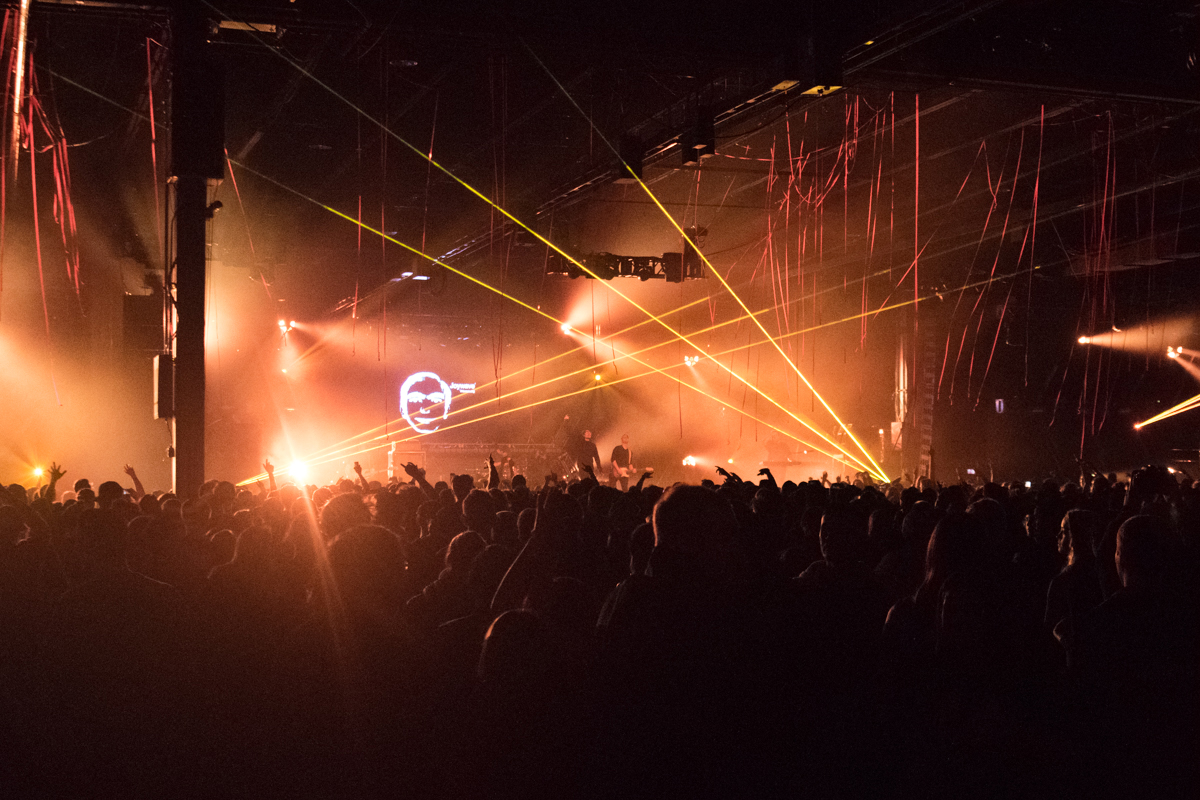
[[731, 461], [1172, 353], [565, 327], [299, 471], [690, 461], [596, 376], [285, 326], [37, 472], [1084, 340], [691, 361]]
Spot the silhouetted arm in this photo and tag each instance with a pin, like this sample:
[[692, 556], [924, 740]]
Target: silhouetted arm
[[366, 487], [418, 476], [269, 468], [138, 490], [56, 473], [770, 478]]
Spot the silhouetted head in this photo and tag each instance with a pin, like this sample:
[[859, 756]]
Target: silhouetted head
[[342, 512], [462, 485], [1077, 535], [517, 651], [1141, 551], [843, 538], [478, 508], [368, 568], [108, 493], [462, 550], [695, 528], [955, 546]]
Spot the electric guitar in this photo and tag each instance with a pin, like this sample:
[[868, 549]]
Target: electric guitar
[[630, 471]]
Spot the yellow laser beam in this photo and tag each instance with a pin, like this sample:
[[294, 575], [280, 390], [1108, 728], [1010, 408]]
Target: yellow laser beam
[[348, 444], [432, 162], [707, 263], [653, 317], [342, 452], [1179, 408], [589, 388], [539, 312]]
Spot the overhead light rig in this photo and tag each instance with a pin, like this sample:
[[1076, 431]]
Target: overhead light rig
[[671, 267]]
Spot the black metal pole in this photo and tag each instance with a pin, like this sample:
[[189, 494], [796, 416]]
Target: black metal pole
[[197, 157]]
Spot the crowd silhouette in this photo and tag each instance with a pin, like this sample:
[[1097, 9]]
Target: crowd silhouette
[[731, 639]]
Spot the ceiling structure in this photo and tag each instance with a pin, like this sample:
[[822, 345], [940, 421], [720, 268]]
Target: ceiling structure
[[1024, 168]]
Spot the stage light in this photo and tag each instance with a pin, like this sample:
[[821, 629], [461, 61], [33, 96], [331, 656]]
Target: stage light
[[596, 376], [284, 370], [1084, 340], [565, 327], [690, 461], [420, 277], [1171, 353], [37, 472], [691, 361], [731, 461], [285, 326], [299, 471]]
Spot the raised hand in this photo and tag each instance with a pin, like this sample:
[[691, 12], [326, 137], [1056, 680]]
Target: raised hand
[[268, 467], [56, 472], [130, 471]]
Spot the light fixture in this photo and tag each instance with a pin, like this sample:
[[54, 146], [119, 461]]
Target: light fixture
[[1084, 340], [565, 327]]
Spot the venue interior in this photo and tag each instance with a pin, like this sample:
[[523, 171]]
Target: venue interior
[[896, 238]]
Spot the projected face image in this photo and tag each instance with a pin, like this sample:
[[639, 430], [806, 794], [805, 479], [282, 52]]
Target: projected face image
[[424, 401]]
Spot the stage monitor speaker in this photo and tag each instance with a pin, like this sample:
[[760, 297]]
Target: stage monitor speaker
[[142, 324], [164, 386]]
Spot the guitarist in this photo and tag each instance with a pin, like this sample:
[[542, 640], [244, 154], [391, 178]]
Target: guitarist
[[622, 463]]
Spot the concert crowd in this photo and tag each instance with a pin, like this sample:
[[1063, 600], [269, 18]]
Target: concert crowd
[[738, 638]]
